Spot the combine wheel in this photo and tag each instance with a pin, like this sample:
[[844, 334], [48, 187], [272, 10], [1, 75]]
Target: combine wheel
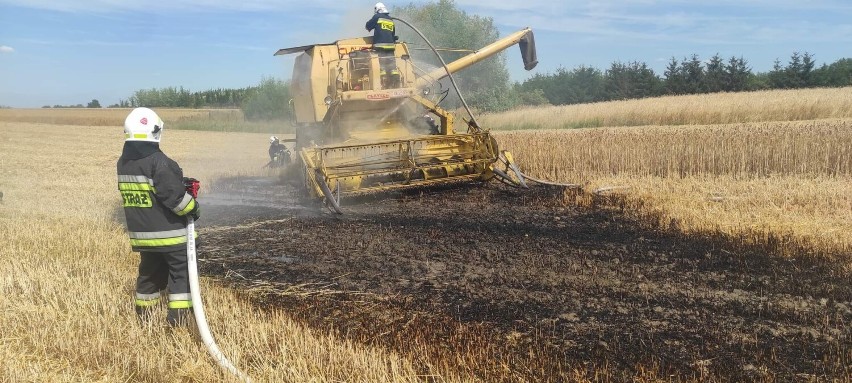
[[332, 203]]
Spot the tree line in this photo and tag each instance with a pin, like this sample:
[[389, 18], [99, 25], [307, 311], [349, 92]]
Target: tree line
[[265, 101], [487, 87], [690, 75], [92, 104], [179, 97]]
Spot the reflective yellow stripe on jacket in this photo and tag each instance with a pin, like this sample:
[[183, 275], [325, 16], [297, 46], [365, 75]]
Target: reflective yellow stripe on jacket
[[185, 206], [158, 238], [135, 183]]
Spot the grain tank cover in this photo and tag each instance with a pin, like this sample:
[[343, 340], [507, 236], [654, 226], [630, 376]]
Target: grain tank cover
[[287, 51]]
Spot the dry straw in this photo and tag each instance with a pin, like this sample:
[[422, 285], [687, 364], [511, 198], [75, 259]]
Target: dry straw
[[67, 274], [704, 109], [221, 120], [755, 181]]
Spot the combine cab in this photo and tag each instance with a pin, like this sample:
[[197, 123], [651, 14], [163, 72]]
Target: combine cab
[[367, 123]]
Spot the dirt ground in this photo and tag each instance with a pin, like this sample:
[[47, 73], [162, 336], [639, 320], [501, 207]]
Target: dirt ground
[[502, 284]]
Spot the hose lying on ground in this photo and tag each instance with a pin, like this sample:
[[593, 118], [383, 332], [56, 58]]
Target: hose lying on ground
[[549, 183], [198, 307]]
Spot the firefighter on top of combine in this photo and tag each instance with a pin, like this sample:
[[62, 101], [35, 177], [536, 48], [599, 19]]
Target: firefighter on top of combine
[[384, 42], [156, 204]]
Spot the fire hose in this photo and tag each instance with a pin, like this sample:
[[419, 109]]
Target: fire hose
[[192, 186], [520, 177]]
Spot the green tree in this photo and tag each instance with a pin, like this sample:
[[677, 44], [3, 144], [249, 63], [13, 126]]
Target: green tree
[[631, 80], [693, 72], [714, 78], [797, 74], [486, 84], [583, 84], [579, 85], [839, 73], [794, 72], [533, 97], [777, 77], [268, 101], [675, 80], [802, 73], [737, 75], [93, 104]]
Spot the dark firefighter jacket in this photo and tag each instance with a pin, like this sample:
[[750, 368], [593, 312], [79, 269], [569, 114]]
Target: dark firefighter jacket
[[155, 199], [384, 36], [275, 149]]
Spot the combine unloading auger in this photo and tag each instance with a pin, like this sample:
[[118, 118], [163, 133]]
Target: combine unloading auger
[[365, 126]]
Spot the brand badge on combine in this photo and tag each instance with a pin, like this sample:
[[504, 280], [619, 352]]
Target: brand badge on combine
[[378, 96], [144, 121]]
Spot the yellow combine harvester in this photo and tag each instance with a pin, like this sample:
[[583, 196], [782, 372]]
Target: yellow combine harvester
[[364, 129]]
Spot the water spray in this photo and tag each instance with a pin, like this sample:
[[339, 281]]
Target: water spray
[[529, 63], [447, 69]]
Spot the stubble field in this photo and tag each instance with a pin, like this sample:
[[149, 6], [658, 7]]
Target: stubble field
[[710, 252]]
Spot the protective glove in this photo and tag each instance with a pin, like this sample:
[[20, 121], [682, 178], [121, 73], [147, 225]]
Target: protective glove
[[192, 186], [195, 213]]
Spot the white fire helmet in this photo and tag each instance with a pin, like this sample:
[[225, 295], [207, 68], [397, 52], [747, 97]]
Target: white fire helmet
[[380, 8], [273, 139], [142, 124]]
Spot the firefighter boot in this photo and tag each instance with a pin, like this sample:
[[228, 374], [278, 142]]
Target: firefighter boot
[[383, 78], [178, 317], [394, 79]]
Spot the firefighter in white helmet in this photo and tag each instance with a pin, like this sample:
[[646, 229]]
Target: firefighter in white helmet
[[156, 205], [384, 44], [279, 155]]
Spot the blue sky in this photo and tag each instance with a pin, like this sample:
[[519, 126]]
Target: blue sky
[[69, 52]]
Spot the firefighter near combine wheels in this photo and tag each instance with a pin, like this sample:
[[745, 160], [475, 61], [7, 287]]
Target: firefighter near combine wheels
[[279, 155], [358, 133]]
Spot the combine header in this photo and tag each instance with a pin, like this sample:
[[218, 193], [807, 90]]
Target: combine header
[[365, 125]]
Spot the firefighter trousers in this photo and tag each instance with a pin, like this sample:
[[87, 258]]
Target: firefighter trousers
[[160, 271]]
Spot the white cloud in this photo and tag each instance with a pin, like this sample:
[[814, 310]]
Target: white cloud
[[6, 49]]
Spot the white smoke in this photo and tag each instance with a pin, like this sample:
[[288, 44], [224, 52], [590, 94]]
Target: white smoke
[[353, 21]]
